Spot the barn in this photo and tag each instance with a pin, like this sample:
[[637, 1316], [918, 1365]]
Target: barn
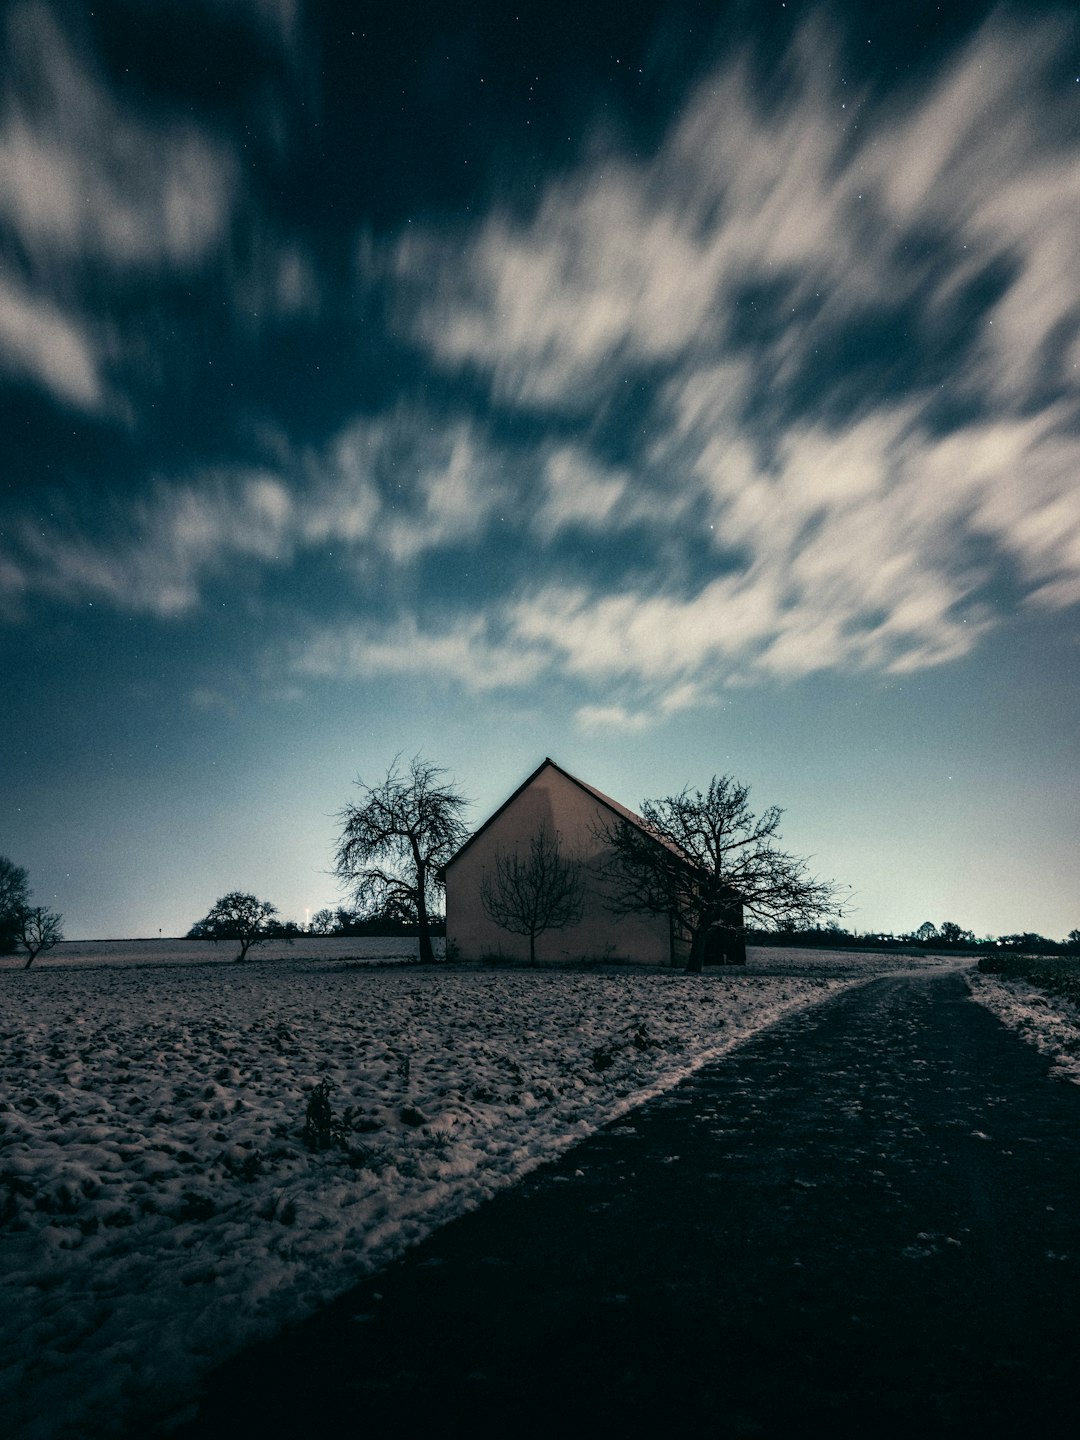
[[554, 802]]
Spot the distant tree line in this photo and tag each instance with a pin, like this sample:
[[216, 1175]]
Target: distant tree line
[[381, 921], [948, 936], [249, 921]]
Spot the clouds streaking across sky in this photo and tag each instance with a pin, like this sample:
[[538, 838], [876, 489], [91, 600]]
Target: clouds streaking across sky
[[669, 390]]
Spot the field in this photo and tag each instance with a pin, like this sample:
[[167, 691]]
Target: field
[[1039, 998], [1058, 975], [203, 952], [160, 1205]]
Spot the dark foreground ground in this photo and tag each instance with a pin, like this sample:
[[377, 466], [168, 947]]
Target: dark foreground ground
[[864, 1223]]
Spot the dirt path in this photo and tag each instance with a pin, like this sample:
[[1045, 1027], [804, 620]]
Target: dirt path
[[864, 1221]]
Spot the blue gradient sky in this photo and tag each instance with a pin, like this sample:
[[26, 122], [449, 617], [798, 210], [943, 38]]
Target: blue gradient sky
[[670, 389]]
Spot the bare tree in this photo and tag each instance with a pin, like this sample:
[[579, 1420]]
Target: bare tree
[[700, 856], [14, 898], [395, 839], [39, 929], [529, 894], [237, 916]]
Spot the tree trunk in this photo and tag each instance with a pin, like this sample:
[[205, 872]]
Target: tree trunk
[[696, 963], [423, 925], [532, 949], [735, 946], [427, 954], [30, 961]]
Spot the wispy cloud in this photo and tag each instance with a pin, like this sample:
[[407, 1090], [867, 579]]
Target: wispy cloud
[[84, 178], [466, 653], [439, 485], [279, 280], [865, 549], [842, 206], [157, 553], [104, 193], [678, 382], [88, 186], [878, 535], [603, 719], [40, 341], [384, 492], [578, 493]]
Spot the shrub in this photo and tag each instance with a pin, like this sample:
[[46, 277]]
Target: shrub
[[323, 1130], [320, 1130], [995, 964]]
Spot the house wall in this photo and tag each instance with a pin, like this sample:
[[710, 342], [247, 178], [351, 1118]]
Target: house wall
[[554, 801]]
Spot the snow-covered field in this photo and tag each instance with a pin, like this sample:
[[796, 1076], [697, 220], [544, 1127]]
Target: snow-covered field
[[1046, 1021], [202, 952], [158, 1205]]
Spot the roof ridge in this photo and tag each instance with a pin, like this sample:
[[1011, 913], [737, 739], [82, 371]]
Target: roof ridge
[[617, 808]]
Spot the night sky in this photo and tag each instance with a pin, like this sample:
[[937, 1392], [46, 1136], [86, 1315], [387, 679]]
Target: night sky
[[671, 389]]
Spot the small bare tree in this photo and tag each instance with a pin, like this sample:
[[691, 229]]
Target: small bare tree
[[699, 856], [237, 916], [39, 930], [394, 841], [529, 894]]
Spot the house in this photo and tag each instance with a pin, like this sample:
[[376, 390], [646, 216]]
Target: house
[[555, 802]]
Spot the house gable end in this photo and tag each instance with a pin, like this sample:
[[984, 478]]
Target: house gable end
[[621, 811]]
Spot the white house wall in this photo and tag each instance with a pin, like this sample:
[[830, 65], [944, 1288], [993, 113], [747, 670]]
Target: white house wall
[[555, 802]]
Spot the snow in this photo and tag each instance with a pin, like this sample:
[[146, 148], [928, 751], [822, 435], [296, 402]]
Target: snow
[[1046, 1021], [158, 1206], [366, 950]]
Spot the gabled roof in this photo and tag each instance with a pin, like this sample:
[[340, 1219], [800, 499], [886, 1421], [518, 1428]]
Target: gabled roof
[[620, 810]]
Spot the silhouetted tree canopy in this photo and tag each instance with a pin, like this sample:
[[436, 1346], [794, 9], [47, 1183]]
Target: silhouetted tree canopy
[[396, 838], [535, 892], [237, 916], [700, 854], [14, 898], [284, 930], [952, 934]]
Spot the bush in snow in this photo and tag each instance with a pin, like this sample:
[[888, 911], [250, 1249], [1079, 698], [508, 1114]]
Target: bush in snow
[[321, 1132]]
